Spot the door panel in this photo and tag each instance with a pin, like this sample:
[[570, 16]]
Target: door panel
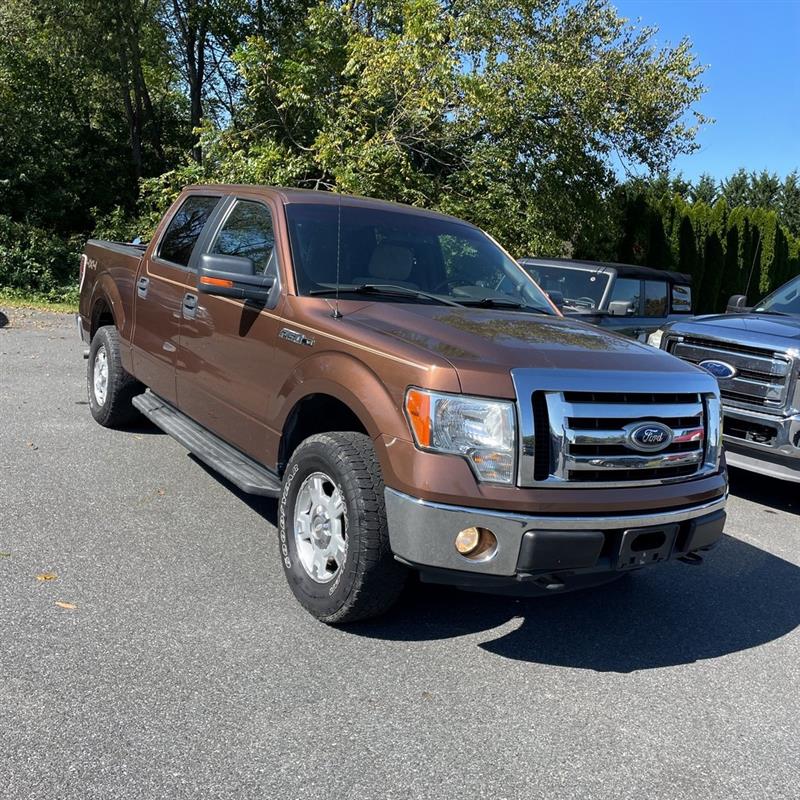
[[227, 346], [160, 287], [157, 327]]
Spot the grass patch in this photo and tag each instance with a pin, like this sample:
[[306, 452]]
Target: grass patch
[[13, 298]]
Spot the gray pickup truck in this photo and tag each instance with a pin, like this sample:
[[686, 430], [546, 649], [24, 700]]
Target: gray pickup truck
[[754, 352]]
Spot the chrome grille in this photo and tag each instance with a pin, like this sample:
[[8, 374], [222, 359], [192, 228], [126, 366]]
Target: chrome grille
[[574, 437], [762, 375]]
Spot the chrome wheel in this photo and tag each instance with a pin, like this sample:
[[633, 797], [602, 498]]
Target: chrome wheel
[[320, 527], [100, 375]]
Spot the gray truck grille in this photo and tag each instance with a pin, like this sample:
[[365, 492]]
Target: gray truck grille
[[762, 376], [573, 437]]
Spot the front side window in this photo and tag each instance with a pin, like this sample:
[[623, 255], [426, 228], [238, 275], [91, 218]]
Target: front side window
[[627, 290], [582, 289], [376, 247], [185, 228], [248, 232], [655, 298]]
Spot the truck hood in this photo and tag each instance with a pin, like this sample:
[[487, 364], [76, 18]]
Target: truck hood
[[484, 345], [771, 330]]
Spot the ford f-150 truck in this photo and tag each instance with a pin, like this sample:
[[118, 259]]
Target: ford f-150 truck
[[754, 352], [407, 392]]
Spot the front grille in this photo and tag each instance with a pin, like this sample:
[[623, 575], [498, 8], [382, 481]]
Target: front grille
[[577, 428], [762, 375], [596, 445]]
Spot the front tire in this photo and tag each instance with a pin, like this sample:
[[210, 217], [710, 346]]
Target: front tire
[[334, 539], [111, 390]]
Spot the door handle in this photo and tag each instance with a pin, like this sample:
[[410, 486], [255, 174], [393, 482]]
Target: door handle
[[189, 305], [142, 286]]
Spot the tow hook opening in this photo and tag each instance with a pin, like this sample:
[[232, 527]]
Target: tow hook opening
[[652, 540]]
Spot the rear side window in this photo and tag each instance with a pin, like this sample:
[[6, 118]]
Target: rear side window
[[682, 299], [655, 298], [185, 228], [248, 232]]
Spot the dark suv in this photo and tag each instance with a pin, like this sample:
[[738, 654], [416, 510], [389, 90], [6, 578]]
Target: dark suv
[[627, 299]]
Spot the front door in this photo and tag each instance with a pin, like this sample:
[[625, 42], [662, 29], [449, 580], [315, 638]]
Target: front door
[[161, 284], [227, 345]]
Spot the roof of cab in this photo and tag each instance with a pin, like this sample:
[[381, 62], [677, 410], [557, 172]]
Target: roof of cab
[[289, 195], [622, 270]]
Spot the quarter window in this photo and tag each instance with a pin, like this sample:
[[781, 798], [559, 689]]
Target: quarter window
[[248, 232], [682, 299], [185, 228]]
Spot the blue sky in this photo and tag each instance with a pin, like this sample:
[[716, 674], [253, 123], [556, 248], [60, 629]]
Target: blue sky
[[752, 50]]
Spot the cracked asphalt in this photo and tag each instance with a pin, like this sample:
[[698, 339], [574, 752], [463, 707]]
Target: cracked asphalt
[[179, 665]]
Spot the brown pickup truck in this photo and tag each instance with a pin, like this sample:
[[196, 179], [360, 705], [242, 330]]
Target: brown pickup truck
[[409, 394]]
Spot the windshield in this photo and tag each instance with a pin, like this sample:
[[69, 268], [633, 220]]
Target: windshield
[[383, 248], [582, 289], [785, 300]]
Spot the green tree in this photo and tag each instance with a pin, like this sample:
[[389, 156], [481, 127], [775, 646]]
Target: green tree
[[704, 190], [736, 189], [765, 190], [789, 204]]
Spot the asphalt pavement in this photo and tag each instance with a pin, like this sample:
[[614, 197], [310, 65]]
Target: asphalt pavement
[[166, 658]]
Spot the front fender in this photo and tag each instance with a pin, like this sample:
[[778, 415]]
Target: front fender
[[377, 405]]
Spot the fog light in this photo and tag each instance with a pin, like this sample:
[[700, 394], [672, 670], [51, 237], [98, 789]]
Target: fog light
[[467, 541], [476, 544]]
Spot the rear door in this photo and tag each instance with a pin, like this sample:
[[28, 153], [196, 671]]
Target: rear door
[[227, 346], [161, 284]]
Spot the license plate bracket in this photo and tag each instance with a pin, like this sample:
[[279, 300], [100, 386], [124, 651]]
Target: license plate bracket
[[642, 546]]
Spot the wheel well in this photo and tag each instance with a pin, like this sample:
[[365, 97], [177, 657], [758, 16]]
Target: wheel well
[[316, 413], [101, 315]]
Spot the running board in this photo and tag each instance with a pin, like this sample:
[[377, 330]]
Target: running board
[[239, 469]]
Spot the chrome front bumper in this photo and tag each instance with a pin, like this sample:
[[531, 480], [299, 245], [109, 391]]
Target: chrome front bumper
[[780, 458], [422, 534]]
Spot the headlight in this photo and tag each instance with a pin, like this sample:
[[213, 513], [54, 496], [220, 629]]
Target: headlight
[[482, 431], [654, 339]]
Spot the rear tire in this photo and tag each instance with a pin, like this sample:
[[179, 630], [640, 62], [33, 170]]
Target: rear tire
[[334, 539], [109, 387]]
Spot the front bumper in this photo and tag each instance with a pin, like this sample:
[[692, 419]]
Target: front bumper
[[762, 443], [530, 547]]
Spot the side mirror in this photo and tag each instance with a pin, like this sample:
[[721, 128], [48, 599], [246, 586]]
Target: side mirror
[[737, 304], [557, 299], [620, 308], [233, 276]]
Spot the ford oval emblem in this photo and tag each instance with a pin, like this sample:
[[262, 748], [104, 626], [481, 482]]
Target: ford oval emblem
[[719, 369], [649, 437]]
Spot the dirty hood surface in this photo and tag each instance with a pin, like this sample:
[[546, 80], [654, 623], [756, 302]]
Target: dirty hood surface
[[480, 343]]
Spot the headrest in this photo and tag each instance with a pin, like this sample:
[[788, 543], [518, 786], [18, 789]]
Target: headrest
[[391, 262]]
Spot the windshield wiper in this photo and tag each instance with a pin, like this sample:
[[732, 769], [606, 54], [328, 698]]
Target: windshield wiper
[[387, 288], [503, 302]]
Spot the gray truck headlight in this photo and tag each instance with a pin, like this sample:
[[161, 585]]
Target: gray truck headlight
[[482, 431], [654, 339]]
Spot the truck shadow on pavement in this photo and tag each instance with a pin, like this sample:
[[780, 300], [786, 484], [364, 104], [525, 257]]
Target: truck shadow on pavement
[[777, 494], [740, 597]]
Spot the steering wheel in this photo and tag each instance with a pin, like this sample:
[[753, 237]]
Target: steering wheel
[[587, 301]]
